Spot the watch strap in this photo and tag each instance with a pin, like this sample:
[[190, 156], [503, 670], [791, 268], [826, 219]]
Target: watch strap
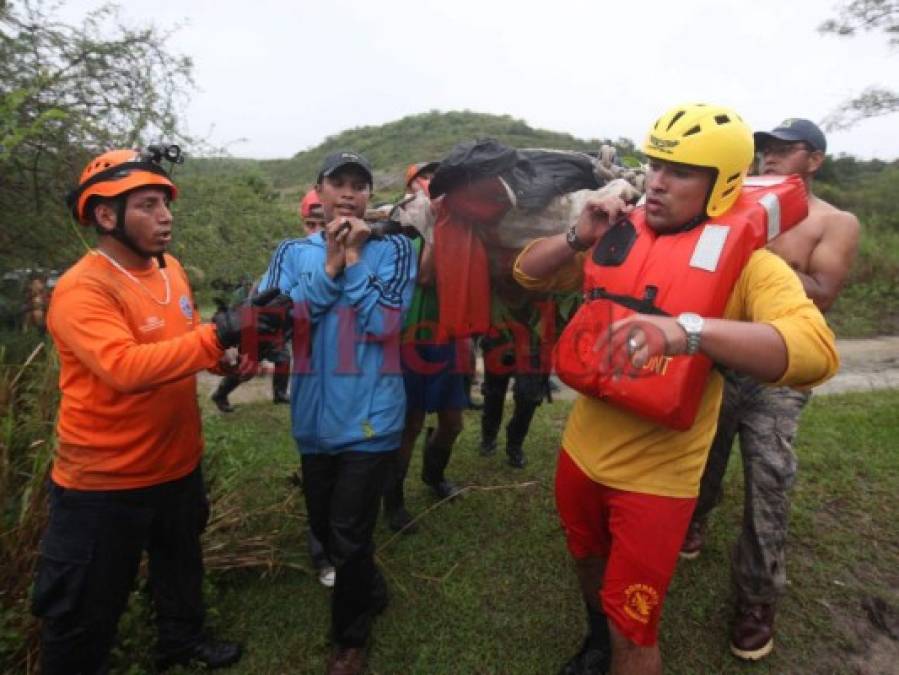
[[573, 241]]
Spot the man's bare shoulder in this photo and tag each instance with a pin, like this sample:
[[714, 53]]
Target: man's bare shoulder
[[828, 216]]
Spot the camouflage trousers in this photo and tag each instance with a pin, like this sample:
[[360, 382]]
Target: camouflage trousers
[[765, 418]]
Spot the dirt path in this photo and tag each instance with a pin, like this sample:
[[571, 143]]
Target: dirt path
[[866, 365]]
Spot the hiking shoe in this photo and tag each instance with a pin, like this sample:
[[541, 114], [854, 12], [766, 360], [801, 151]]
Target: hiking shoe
[[347, 661], [515, 457], [221, 402], [445, 489], [400, 520], [588, 661], [327, 575], [487, 447], [693, 540], [752, 637]]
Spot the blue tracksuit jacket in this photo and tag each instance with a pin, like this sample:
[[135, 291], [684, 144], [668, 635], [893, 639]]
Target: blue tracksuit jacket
[[347, 387]]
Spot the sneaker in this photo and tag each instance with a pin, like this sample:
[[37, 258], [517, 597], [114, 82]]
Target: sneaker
[[752, 637], [346, 661], [221, 402], [400, 520], [693, 540], [280, 397], [327, 576], [588, 661]]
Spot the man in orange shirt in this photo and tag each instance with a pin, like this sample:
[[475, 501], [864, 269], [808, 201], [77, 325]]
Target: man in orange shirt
[[126, 475]]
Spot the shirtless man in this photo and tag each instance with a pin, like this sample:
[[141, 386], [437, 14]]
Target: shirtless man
[[821, 250]]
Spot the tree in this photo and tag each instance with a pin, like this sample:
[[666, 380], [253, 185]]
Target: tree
[[67, 92], [864, 16]]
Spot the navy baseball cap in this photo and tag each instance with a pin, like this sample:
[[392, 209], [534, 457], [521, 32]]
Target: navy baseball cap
[[793, 130], [337, 160]]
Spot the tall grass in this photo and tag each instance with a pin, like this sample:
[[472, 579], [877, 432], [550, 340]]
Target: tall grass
[[28, 402], [29, 399], [869, 303]]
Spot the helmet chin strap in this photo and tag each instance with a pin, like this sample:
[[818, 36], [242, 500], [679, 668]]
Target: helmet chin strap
[[119, 233]]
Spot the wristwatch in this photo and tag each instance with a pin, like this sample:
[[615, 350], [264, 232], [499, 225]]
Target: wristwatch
[[692, 325], [573, 241]]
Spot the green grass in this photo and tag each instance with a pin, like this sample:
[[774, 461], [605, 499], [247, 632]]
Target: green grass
[[485, 586]]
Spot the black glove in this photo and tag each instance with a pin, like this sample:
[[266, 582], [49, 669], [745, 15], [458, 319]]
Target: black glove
[[230, 324]]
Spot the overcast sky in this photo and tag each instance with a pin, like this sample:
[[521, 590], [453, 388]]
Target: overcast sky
[[284, 75]]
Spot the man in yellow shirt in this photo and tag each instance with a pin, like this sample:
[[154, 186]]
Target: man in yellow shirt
[[626, 486]]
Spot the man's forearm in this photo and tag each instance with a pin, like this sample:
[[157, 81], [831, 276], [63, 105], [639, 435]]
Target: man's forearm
[[546, 257], [755, 349], [816, 292]]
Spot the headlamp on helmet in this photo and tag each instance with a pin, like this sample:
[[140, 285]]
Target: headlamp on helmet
[[117, 172]]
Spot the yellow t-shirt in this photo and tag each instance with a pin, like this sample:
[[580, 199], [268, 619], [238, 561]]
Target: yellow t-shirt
[[624, 451]]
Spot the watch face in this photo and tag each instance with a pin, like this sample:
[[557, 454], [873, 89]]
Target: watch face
[[692, 322]]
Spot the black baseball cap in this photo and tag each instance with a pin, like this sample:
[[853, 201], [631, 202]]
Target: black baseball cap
[[338, 160], [793, 129]]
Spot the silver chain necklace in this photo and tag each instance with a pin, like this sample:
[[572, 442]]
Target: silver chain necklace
[[165, 278]]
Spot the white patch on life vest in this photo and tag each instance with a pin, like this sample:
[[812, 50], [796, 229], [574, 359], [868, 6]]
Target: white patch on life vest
[[763, 181], [772, 207], [708, 249]]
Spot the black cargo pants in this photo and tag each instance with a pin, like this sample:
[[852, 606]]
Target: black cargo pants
[[89, 557]]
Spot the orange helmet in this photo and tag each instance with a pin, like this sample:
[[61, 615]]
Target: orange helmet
[[414, 170], [114, 173], [310, 201]]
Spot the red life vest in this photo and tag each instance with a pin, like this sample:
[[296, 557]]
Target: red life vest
[[634, 269]]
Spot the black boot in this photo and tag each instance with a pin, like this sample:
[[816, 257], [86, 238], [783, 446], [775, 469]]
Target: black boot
[[208, 654], [517, 431], [435, 459], [515, 457], [280, 383], [395, 513], [595, 655], [494, 390], [220, 397]]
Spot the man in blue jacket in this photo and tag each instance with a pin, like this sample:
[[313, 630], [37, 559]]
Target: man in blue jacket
[[350, 289]]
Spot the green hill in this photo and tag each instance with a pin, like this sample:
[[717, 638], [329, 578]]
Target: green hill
[[392, 146]]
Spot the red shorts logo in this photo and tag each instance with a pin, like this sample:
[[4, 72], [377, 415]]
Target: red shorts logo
[[639, 601]]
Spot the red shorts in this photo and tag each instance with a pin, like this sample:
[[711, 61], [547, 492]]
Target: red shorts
[[640, 535]]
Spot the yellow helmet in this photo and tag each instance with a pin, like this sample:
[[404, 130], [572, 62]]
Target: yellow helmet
[[710, 136]]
